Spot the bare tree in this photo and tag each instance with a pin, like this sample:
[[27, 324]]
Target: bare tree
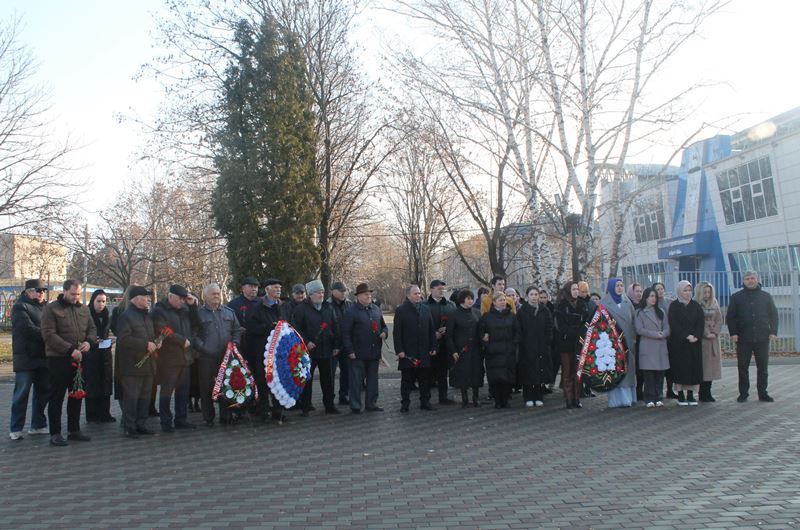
[[33, 187]]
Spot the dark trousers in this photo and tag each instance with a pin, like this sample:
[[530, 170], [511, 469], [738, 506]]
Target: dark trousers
[[532, 392], [343, 362], [256, 364], [207, 370], [173, 379], [407, 378], [653, 384], [325, 382], [61, 374], [501, 393], [744, 351], [135, 400], [39, 380], [98, 408], [360, 369], [438, 371]]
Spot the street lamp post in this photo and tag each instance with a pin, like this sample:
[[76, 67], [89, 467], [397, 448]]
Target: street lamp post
[[573, 221]]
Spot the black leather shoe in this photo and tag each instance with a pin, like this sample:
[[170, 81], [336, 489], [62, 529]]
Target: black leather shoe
[[374, 409], [58, 440], [426, 406], [766, 398], [145, 431], [446, 401], [404, 408], [332, 410], [78, 437], [741, 399]]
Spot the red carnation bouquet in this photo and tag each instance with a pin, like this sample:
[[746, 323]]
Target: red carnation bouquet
[[77, 391], [165, 332]]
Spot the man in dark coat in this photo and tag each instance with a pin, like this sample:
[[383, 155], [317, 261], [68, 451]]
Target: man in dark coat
[[315, 321], [363, 332], [265, 316], [752, 322], [441, 310], [175, 359], [136, 342], [243, 306], [218, 327], [30, 364], [340, 304], [68, 331], [415, 343]]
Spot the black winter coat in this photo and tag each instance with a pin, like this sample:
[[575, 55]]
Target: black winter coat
[[27, 344], [686, 358], [173, 353], [500, 352], [259, 324], [98, 370], [441, 312], [135, 328], [462, 338], [535, 366], [414, 334], [318, 326], [243, 309], [752, 315], [570, 325], [358, 335]]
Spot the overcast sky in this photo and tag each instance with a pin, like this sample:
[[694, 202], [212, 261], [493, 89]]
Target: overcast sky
[[89, 51]]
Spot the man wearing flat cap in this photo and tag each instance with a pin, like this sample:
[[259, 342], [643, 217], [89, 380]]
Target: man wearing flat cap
[[340, 304], [243, 304], [30, 364], [298, 296], [363, 333], [315, 321], [177, 312], [136, 337], [441, 310], [266, 315]]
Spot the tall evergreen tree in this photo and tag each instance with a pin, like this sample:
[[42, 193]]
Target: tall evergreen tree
[[267, 199]]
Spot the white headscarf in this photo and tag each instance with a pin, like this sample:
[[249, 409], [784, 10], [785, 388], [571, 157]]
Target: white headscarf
[[679, 291]]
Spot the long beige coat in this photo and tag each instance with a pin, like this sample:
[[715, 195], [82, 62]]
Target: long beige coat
[[712, 353]]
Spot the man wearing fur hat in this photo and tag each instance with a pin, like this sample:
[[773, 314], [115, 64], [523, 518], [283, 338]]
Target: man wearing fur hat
[[315, 320]]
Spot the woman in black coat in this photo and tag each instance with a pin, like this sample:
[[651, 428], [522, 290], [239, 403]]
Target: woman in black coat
[[534, 368], [461, 340], [685, 345], [499, 333], [570, 319], [98, 373]]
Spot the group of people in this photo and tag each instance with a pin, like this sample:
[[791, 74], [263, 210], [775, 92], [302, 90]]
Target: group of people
[[515, 343]]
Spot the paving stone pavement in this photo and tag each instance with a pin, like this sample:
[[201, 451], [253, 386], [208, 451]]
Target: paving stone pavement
[[721, 465]]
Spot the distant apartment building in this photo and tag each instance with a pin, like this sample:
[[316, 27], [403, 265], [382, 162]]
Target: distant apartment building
[[25, 257]]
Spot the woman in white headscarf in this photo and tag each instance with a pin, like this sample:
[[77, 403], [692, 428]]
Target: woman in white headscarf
[[686, 324]]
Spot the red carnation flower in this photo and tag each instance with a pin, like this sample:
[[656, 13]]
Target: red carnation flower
[[465, 349], [323, 326], [444, 317], [593, 371], [374, 326]]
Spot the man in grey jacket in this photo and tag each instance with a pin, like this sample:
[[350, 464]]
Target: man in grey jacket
[[218, 327]]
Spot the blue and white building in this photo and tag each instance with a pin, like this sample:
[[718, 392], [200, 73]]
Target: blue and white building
[[733, 205]]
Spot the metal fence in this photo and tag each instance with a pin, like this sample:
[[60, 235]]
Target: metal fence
[[783, 286]]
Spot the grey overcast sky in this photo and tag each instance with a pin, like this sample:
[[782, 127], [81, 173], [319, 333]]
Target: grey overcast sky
[[89, 51]]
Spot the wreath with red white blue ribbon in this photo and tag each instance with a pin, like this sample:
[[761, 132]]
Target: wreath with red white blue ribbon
[[603, 357], [286, 363]]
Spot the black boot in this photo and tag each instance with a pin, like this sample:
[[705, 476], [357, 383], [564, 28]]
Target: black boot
[[475, 398], [705, 392], [464, 398]]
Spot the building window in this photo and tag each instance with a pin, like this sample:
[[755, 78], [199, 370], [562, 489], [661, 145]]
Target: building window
[[772, 264], [648, 224], [747, 192], [646, 273]]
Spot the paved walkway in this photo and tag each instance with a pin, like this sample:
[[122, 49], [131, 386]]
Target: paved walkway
[[721, 465]]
